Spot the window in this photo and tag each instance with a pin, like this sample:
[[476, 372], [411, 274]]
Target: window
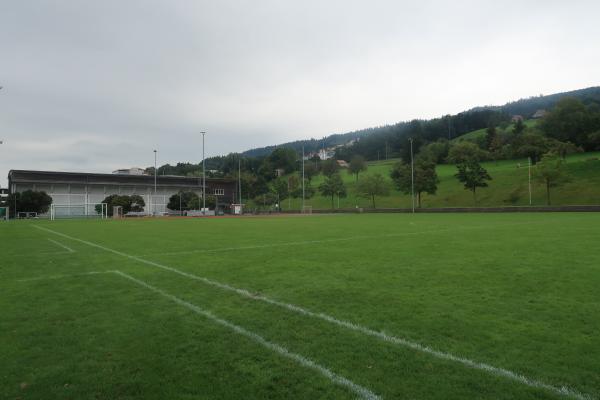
[[219, 192]]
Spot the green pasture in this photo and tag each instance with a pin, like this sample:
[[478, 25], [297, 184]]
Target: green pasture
[[508, 187]]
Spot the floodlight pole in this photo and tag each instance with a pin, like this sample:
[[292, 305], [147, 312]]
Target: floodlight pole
[[240, 179], [529, 180], [155, 172], [302, 178], [412, 174], [203, 178]]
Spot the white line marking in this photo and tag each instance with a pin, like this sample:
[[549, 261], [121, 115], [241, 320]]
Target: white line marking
[[343, 239], [39, 278], [564, 390], [305, 362], [70, 250]]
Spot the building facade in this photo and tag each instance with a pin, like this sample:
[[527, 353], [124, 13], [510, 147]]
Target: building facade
[[77, 189]]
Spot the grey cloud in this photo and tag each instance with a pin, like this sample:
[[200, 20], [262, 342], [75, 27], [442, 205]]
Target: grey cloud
[[98, 85]]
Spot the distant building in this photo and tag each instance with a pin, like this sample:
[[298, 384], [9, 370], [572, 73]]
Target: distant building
[[80, 189], [326, 154], [3, 194], [130, 171], [279, 172], [516, 118], [539, 114], [342, 163]]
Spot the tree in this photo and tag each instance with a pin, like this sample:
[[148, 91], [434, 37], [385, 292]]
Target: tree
[[310, 170], [425, 178], [464, 151], [280, 188], [371, 186], [183, 200], [550, 172], [137, 203], [472, 175], [435, 152], [284, 158], [569, 121], [518, 127], [329, 167], [115, 200], [357, 165], [594, 140], [531, 145], [563, 148], [333, 185], [490, 136], [29, 201], [309, 191]]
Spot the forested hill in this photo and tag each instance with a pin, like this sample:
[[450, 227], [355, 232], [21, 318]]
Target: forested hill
[[374, 141]]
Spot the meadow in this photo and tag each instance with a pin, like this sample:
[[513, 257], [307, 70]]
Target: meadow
[[508, 187], [423, 306]]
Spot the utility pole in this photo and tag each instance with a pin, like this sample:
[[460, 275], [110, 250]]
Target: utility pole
[[203, 178], [240, 179], [154, 197], [155, 171], [302, 178], [529, 180], [412, 175]]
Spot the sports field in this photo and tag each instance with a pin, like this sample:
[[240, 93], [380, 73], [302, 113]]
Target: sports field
[[392, 306]]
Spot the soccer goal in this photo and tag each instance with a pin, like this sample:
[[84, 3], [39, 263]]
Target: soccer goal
[[87, 210], [4, 213], [117, 212], [307, 210]]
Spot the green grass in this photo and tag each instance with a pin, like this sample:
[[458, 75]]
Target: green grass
[[516, 291], [530, 123], [508, 187]]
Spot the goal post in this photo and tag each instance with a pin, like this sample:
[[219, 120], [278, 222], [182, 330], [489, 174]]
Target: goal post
[[85, 210], [307, 210], [117, 212]]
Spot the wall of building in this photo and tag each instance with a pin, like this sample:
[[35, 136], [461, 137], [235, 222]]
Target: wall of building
[[81, 193]]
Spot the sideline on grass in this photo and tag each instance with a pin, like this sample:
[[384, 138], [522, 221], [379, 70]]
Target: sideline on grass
[[361, 391], [534, 383]]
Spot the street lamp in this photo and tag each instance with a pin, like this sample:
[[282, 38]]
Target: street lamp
[[203, 178], [303, 179], [155, 172], [412, 175]]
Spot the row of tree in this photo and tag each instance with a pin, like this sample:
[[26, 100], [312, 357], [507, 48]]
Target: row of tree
[[27, 201]]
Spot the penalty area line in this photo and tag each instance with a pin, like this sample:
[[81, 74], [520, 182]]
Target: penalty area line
[[70, 250], [303, 361], [497, 371], [50, 277]]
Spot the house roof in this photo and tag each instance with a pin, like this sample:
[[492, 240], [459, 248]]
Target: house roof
[[26, 176]]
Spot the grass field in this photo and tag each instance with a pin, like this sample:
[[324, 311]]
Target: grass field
[[457, 306], [508, 187]]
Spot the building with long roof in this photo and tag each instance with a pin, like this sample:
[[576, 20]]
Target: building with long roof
[[81, 189]]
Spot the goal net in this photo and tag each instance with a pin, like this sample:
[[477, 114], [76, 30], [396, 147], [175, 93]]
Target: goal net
[[87, 210], [307, 210]]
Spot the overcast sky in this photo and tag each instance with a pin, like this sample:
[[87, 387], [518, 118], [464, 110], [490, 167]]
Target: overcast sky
[[97, 85]]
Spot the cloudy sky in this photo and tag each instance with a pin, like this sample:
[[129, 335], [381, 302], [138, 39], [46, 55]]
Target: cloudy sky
[[97, 85]]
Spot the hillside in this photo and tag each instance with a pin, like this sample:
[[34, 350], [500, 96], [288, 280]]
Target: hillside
[[508, 187], [450, 126]]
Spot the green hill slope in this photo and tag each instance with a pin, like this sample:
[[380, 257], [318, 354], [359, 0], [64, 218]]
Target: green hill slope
[[530, 123], [508, 187]]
